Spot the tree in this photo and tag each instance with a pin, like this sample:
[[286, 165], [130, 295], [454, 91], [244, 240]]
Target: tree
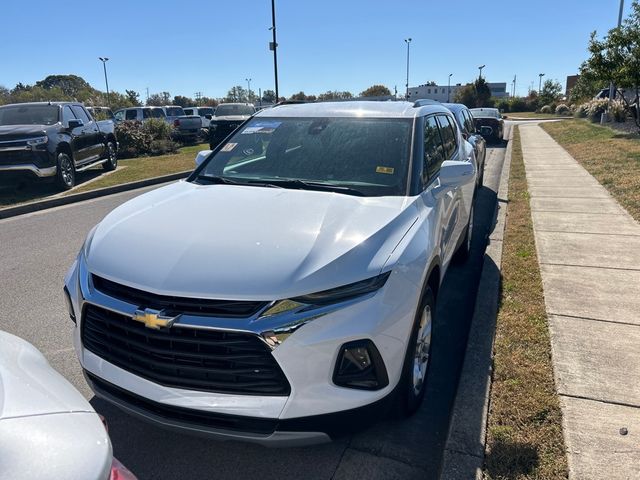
[[335, 95], [183, 101], [236, 94], [475, 94], [70, 85], [269, 96], [208, 102], [302, 96], [133, 97], [376, 91], [551, 91], [155, 100], [4, 95]]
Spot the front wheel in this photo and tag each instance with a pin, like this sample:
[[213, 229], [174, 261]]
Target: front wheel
[[418, 357], [112, 157], [66, 174]]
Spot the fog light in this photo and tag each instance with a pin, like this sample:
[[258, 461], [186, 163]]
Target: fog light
[[67, 300], [360, 366]]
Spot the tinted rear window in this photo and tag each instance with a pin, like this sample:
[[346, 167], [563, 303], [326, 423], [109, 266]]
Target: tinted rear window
[[174, 111]]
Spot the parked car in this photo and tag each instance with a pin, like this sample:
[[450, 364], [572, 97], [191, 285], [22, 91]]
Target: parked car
[[47, 428], [54, 140], [205, 113], [293, 295], [186, 127], [471, 134], [492, 118], [101, 113], [228, 117], [139, 114]]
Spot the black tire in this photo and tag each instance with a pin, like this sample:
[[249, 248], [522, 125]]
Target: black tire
[[112, 157], [66, 172], [411, 390], [464, 250]]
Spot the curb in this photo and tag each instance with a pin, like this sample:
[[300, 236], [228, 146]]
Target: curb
[[463, 456], [79, 197]]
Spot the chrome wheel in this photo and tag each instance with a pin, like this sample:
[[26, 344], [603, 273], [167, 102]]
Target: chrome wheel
[[112, 158], [66, 173], [421, 356]]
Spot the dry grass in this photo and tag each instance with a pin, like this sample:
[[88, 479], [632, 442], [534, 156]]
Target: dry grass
[[612, 157], [524, 434]]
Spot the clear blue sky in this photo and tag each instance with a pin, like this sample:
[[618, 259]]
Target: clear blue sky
[[187, 46]]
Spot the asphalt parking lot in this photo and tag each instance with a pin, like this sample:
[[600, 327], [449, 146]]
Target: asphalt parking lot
[[36, 250]]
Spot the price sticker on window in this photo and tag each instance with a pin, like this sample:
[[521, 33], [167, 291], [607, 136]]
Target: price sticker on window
[[387, 170]]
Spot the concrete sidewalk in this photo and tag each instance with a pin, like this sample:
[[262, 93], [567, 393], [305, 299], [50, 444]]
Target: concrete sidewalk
[[589, 253]]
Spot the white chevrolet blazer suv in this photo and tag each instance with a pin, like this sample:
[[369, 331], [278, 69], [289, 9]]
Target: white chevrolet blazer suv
[[286, 290]]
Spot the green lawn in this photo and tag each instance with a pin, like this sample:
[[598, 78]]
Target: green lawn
[[534, 115], [612, 157], [146, 167]]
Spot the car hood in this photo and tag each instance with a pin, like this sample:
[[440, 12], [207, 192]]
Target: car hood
[[22, 131], [230, 118], [247, 243], [29, 386]]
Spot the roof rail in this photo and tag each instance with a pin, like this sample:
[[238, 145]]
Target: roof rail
[[291, 102], [425, 101]]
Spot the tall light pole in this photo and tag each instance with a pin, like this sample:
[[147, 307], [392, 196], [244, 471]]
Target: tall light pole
[[540, 75], [449, 88], [480, 69], [611, 85], [408, 41], [274, 45], [104, 61], [248, 88]]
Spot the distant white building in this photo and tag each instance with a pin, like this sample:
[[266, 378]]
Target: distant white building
[[442, 92]]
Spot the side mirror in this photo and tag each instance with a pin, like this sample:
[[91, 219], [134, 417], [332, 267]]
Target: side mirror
[[202, 154], [486, 131], [208, 116], [454, 173], [75, 123]]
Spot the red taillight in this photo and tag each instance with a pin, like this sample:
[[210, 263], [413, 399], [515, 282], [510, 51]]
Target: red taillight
[[176, 123], [120, 472]]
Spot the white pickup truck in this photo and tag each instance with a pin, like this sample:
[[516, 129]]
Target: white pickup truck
[[205, 113]]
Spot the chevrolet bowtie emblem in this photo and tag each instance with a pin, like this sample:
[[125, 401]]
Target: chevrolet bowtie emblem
[[153, 318]]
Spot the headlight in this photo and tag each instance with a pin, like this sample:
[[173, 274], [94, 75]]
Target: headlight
[[36, 142], [345, 292]]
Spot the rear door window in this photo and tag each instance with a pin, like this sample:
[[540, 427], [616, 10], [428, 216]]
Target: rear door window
[[79, 112], [448, 132], [433, 150], [132, 114]]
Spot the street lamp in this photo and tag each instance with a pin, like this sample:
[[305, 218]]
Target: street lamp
[[449, 88], [104, 61], [540, 75], [248, 88], [408, 41], [611, 85], [480, 68], [274, 45]]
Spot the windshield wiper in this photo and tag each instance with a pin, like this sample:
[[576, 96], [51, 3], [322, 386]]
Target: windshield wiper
[[310, 185], [216, 179], [229, 181]]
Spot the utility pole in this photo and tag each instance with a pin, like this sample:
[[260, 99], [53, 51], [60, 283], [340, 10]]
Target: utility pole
[[408, 41], [104, 61], [248, 89], [480, 69], [612, 87], [513, 94], [449, 88], [540, 75], [260, 96], [274, 46], [147, 102], [198, 96]]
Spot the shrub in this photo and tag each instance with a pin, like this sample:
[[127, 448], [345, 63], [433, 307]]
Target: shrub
[[503, 105], [161, 147], [518, 104], [595, 109], [157, 129], [546, 109], [617, 111], [563, 109], [581, 110], [133, 141]]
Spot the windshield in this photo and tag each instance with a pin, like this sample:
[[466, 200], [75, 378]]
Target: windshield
[[229, 109], [369, 156], [485, 113], [174, 111], [205, 111], [29, 115]]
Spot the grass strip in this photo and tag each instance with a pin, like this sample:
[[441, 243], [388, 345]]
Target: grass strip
[[524, 434], [612, 157]]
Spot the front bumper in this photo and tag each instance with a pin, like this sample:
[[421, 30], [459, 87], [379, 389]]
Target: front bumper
[[307, 358], [30, 168]]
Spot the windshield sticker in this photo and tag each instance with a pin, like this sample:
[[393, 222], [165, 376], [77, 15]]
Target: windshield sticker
[[264, 126], [250, 130], [228, 147], [387, 170]]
